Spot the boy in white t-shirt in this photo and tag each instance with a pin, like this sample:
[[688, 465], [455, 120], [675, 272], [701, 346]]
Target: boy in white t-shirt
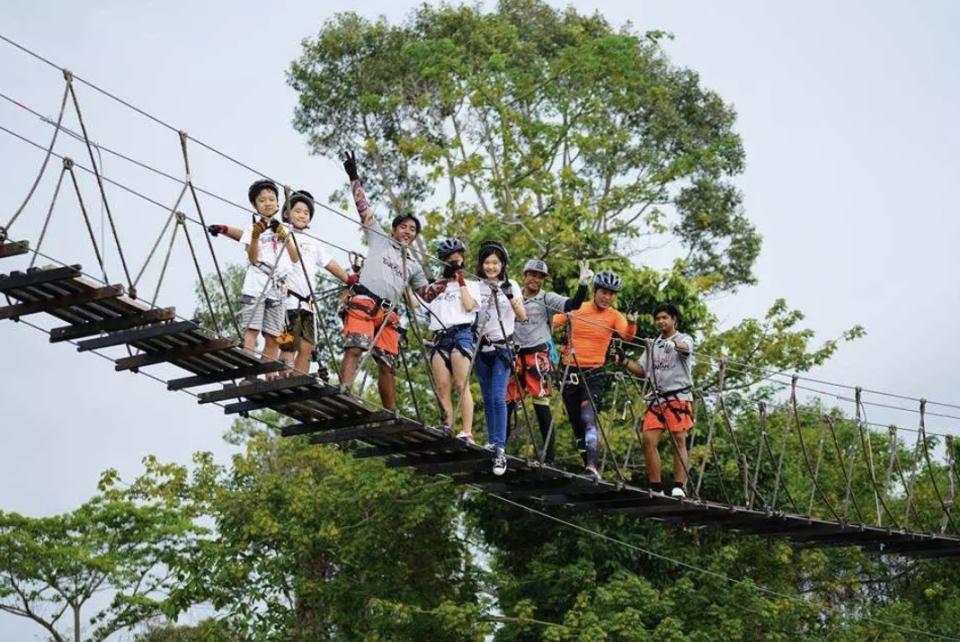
[[261, 299], [300, 280], [453, 314]]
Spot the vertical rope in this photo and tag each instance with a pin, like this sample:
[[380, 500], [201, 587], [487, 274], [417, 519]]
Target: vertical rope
[[68, 165], [163, 230], [166, 262], [196, 265], [68, 79], [803, 449], [741, 460], [930, 473], [206, 233], [762, 411], [46, 221], [816, 469], [868, 453], [103, 193], [951, 488], [846, 476]]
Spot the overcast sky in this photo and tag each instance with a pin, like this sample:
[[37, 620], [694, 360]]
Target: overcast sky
[[847, 112]]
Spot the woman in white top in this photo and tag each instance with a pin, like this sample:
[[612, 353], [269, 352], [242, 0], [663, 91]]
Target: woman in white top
[[453, 313], [499, 311]]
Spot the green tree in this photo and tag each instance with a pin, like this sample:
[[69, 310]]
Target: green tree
[[56, 570]]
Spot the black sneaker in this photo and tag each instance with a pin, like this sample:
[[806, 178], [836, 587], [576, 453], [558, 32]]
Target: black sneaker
[[500, 462]]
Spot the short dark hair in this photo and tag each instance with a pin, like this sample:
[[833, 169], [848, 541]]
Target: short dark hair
[[670, 309]]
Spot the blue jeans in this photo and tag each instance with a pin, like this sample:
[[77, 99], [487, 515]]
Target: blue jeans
[[493, 372]]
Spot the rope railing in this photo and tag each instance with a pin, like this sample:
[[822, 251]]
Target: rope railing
[[761, 476]]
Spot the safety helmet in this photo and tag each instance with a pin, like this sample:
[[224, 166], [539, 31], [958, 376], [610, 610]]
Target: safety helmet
[[407, 216], [448, 246], [608, 281], [493, 247], [535, 265], [259, 186], [300, 196]]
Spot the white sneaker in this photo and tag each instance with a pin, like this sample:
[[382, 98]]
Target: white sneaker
[[591, 471], [489, 446], [500, 462], [677, 491]]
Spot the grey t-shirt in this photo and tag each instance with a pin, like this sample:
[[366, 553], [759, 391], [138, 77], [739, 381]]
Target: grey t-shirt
[[382, 271], [540, 310], [671, 372]]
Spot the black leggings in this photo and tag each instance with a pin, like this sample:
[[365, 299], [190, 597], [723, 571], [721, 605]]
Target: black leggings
[[582, 401]]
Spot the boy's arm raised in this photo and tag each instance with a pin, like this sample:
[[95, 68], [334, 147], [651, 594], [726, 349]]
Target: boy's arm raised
[[356, 188], [230, 232]]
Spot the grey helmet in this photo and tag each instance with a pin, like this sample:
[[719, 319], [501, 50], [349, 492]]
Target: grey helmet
[[608, 281], [448, 246], [535, 265]]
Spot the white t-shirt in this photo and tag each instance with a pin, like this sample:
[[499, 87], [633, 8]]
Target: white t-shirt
[[447, 309], [258, 277], [490, 320], [313, 256]]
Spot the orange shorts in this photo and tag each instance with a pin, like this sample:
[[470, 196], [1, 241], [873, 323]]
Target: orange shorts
[[363, 320], [533, 371], [675, 416]]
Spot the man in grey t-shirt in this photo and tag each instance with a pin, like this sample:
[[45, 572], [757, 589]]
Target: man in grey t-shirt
[[371, 321], [667, 367], [533, 338]]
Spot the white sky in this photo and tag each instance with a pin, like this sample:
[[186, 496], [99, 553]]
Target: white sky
[[847, 113]]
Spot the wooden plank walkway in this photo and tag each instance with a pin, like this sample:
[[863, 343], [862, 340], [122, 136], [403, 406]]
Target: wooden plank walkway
[[99, 317]]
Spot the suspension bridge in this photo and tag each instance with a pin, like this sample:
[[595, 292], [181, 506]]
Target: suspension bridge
[[913, 500]]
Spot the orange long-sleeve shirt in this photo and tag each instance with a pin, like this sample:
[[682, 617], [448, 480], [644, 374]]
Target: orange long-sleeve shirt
[[590, 333]]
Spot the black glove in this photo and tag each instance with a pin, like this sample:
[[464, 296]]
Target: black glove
[[450, 269], [507, 288], [216, 230], [350, 165]]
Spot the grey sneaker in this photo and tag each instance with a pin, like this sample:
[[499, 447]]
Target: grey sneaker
[[500, 462], [591, 471]]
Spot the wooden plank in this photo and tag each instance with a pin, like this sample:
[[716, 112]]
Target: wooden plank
[[417, 460], [129, 336], [592, 497], [543, 487], [257, 387], [658, 510], [38, 276], [13, 249], [276, 402], [252, 370], [79, 330], [443, 468], [150, 358], [65, 301], [376, 417], [362, 432], [447, 443]]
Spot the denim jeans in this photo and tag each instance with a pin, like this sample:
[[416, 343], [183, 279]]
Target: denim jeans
[[493, 372]]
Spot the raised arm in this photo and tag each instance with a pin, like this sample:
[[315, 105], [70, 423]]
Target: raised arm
[[230, 232], [356, 187]]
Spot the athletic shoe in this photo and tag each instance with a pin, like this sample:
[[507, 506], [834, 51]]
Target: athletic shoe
[[677, 491], [591, 471], [490, 446], [500, 462], [465, 436]]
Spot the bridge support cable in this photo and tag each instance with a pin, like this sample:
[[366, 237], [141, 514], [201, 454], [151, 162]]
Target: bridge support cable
[[806, 459], [930, 473], [4, 231], [206, 233], [865, 443]]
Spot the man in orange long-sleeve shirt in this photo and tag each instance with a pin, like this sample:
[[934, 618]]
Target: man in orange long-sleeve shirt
[[588, 338]]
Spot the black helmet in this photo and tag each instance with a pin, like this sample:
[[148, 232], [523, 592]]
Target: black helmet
[[259, 186], [608, 281], [493, 247], [300, 196], [400, 218], [446, 247]]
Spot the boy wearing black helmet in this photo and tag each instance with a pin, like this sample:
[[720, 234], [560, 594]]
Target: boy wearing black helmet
[[300, 319], [590, 331], [266, 240], [668, 369], [453, 314], [371, 322], [532, 335]]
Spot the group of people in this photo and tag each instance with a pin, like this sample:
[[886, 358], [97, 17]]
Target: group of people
[[481, 321]]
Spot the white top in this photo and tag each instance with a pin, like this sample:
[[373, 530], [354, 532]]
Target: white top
[[258, 277], [495, 320], [447, 309], [312, 257]]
